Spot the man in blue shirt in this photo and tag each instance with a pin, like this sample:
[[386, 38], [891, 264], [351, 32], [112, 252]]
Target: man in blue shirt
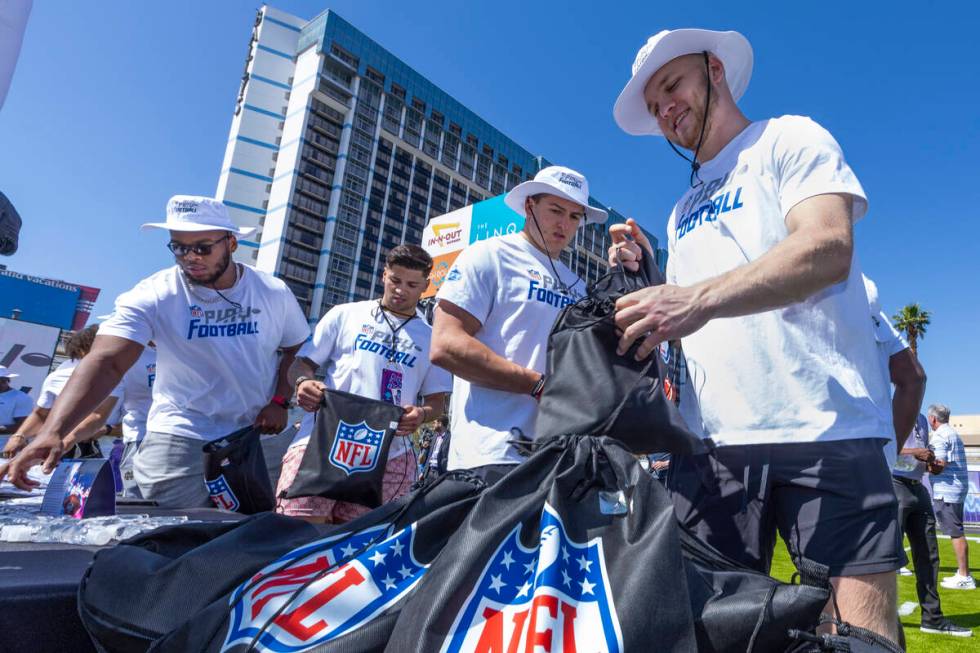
[[949, 489]]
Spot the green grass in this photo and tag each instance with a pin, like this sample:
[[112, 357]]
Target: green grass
[[960, 606]]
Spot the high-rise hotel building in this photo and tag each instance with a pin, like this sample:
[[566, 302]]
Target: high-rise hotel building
[[339, 151]]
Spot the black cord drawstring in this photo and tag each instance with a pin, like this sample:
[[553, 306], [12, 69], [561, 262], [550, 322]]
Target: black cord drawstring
[[695, 164]]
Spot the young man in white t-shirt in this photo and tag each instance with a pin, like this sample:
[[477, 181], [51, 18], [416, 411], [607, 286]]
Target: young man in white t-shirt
[[765, 292], [15, 405], [378, 349], [225, 333], [496, 308], [137, 397]]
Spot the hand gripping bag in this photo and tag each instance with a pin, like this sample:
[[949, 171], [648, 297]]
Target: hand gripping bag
[[348, 450], [191, 587], [591, 390], [236, 474], [578, 549]]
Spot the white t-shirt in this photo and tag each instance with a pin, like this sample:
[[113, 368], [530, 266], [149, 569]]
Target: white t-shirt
[[889, 342], [806, 372], [14, 404], [508, 285], [353, 343], [55, 382], [216, 363], [137, 385]]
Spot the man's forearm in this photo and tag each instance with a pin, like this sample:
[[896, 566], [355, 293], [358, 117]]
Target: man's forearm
[[793, 270], [905, 410], [468, 358], [298, 367], [92, 427], [88, 386], [434, 405], [284, 384]]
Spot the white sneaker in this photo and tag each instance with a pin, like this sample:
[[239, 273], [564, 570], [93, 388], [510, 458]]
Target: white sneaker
[[905, 571], [957, 582]]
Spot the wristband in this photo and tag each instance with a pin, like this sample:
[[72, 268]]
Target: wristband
[[538, 387], [281, 401], [300, 380]]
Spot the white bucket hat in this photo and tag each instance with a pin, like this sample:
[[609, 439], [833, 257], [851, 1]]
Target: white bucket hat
[[5, 373], [631, 112], [560, 181], [192, 213]]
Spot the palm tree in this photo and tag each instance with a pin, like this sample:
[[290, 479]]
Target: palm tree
[[912, 321]]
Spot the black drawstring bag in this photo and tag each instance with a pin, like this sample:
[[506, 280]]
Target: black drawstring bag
[[236, 474], [578, 549], [348, 450], [273, 583], [591, 390]]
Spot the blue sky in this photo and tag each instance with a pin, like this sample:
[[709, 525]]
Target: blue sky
[[115, 106]]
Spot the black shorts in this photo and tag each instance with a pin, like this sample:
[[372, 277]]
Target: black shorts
[[949, 516], [832, 502]]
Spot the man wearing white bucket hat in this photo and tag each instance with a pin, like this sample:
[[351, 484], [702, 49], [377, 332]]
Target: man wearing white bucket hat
[[225, 334], [496, 308], [15, 405], [765, 292]]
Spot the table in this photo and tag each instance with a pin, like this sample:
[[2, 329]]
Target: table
[[39, 587]]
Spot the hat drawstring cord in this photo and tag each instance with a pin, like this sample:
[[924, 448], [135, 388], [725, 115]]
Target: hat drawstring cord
[[695, 164]]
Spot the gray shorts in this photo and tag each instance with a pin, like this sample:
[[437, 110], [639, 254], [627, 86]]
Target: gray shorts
[[949, 516], [169, 469], [832, 502]]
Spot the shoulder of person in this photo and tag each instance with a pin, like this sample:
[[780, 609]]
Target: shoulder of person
[[158, 285], [265, 279], [797, 132]]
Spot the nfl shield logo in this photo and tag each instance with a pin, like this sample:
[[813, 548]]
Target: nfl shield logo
[[221, 494], [356, 447], [196, 311], [324, 590], [554, 595]]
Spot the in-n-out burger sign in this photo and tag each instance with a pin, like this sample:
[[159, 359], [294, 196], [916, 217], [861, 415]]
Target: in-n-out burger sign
[[445, 235]]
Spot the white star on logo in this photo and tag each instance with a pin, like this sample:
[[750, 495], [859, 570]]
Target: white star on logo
[[377, 558], [529, 567], [566, 579], [587, 587], [496, 583], [348, 550], [584, 563], [508, 560], [397, 548], [405, 571], [525, 588], [564, 554], [389, 582]]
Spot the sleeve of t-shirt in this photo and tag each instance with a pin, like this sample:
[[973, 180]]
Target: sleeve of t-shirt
[[23, 405], [47, 395], [436, 380], [134, 315], [809, 162], [295, 329], [471, 284], [321, 346], [888, 337], [940, 446]]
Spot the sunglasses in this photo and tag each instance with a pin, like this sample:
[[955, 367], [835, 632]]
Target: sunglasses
[[201, 249]]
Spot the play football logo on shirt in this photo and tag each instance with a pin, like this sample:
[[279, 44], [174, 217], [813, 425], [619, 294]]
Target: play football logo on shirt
[[378, 341], [553, 597], [721, 199], [222, 323], [542, 288]]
